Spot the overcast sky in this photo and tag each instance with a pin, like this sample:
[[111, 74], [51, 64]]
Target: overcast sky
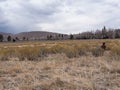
[[64, 16]]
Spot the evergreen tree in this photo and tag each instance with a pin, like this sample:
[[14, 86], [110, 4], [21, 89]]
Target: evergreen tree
[[9, 38], [71, 36], [1, 38]]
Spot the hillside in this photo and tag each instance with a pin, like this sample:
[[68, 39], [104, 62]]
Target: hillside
[[35, 35], [5, 35]]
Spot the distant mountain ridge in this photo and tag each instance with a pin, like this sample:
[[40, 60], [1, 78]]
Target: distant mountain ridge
[[34, 35], [3, 33], [104, 33]]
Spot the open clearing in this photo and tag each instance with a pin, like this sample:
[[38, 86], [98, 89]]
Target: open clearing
[[60, 65]]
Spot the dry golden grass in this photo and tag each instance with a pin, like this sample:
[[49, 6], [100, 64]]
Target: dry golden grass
[[60, 65], [72, 48]]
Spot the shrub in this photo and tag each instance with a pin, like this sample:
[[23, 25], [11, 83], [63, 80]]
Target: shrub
[[5, 54], [28, 53], [81, 50], [115, 52], [57, 49], [71, 52], [34, 53], [43, 52], [97, 52]]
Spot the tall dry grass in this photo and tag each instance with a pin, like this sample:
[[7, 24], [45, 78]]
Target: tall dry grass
[[74, 48], [60, 65]]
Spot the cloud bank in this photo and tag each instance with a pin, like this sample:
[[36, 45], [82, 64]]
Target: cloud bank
[[64, 16]]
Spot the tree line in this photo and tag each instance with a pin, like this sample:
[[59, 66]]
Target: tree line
[[98, 34], [10, 39]]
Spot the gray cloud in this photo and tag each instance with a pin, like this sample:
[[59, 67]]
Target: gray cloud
[[65, 16]]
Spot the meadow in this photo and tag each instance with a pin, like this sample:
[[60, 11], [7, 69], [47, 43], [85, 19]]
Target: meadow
[[60, 65]]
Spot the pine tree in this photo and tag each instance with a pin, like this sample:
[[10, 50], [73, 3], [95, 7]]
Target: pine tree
[[9, 38]]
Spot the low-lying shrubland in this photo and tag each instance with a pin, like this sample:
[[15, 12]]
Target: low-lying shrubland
[[70, 48], [60, 65]]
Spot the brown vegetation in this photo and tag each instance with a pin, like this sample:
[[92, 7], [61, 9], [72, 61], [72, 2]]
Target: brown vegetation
[[61, 65]]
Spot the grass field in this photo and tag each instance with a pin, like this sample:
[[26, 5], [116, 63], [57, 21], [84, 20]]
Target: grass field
[[60, 65]]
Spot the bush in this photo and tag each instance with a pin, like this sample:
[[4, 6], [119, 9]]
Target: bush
[[57, 49], [43, 52], [5, 54], [71, 54], [115, 52], [97, 52], [81, 50], [28, 53], [71, 51]]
